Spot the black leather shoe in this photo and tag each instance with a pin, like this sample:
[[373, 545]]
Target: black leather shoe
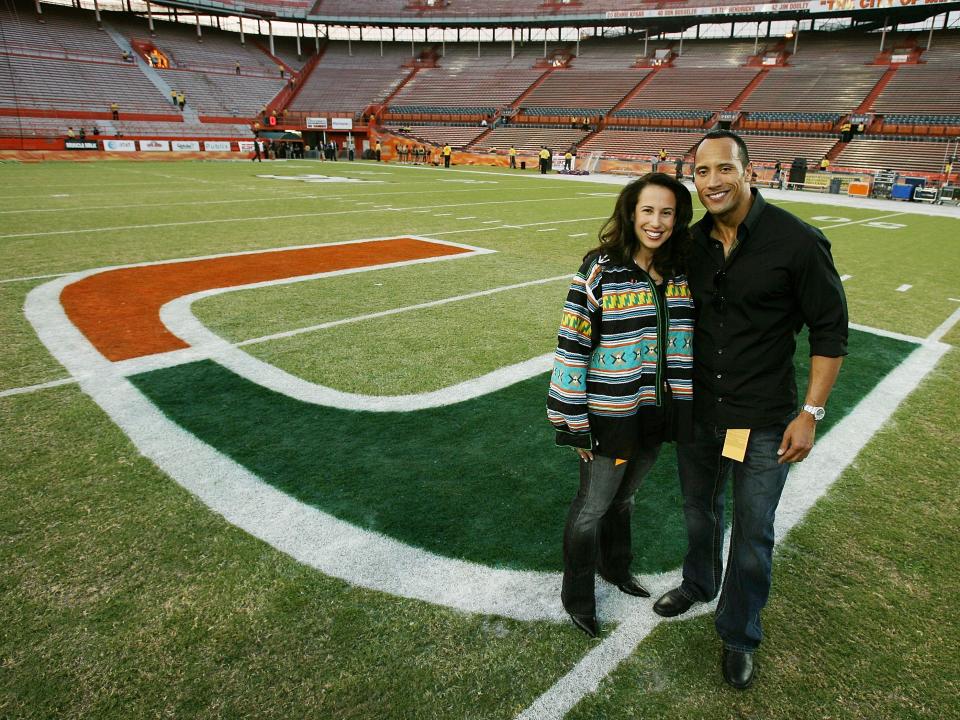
[[738, 668], [632, 587], [672, 603], [587, 623]]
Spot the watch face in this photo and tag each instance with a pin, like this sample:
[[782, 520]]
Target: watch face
[[817, 412]]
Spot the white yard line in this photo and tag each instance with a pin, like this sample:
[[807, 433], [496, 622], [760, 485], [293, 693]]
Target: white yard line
[[267, 218], [32, 277], [38, 386], [904, 288]]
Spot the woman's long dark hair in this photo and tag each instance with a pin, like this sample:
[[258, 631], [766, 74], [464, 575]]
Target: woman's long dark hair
[[619, 242]]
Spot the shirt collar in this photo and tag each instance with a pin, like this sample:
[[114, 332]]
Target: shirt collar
[[703, 227]]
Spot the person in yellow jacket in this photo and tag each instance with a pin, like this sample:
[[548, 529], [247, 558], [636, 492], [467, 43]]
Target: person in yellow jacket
[[513, 157], [567, 161], [447, 152], [544, 159]]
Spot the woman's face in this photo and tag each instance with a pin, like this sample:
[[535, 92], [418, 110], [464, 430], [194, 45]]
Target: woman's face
[[654, 216]]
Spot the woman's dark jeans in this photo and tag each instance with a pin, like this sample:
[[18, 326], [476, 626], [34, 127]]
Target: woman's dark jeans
[[597, 534], [757, 485]]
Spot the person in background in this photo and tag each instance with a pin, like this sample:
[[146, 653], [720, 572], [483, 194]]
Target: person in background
[[544, 159], [512, 152], [82, 135], [114, 111], [378, 150], [757, 274], [447, 152], [237, 67], [70, 133], [567, 161], [616, 392]]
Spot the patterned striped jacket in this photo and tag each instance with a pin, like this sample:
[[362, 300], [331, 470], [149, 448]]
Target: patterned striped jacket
[[611, 359]]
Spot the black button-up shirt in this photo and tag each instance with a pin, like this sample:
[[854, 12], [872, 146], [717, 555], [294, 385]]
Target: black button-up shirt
[[779, 277]]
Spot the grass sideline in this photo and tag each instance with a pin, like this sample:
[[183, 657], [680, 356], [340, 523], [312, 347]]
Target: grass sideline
[[123, 596]]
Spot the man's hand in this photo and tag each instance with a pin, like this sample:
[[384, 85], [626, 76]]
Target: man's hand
[[585, 455], [797, 439]]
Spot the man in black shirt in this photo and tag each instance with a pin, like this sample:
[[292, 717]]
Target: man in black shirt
[[757, 274]]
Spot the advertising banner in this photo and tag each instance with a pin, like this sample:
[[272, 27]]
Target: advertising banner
[[316, 123], [342, 123], [186, 146], [120, 145], [81, 145], [245, 145], [155, 145], [217, 145]]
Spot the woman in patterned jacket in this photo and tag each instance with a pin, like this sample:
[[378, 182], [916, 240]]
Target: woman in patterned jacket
[[622, 379]]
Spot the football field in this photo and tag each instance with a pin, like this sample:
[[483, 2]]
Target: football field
[[274, 445]]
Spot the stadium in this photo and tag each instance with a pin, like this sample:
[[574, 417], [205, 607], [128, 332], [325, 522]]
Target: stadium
[[274, 440]]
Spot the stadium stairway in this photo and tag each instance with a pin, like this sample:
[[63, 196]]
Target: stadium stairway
[[877, 89], [630, 95], [189, 113]]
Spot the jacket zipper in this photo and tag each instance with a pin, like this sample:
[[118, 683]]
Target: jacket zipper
[[661, 335]]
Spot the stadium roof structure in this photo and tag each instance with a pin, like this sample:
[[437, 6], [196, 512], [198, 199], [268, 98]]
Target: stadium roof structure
[[659, 15]]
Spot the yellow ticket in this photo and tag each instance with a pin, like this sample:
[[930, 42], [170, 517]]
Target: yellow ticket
[[735, 444]]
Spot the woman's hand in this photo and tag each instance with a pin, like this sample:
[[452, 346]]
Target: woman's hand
[[585, 455]]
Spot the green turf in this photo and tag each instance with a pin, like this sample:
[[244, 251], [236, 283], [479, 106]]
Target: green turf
[[479, 480], [124, 597], [24, 361]]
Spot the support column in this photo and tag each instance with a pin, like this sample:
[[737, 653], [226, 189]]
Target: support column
[[243, 40], [883, 34], [270, 30], [316, 38], [36, 6], [512, 31], [930, 35], [199, 34], [299, 51], [96, 13]]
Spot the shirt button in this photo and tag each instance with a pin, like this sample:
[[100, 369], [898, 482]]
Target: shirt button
[[719, 376], [720, 351], [720, 400]]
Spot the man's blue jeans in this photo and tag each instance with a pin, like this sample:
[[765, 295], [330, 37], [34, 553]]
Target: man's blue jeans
[[757, 485], [597, 535]]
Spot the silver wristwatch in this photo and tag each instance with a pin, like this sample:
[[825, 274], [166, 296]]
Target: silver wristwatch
[[817, 412]]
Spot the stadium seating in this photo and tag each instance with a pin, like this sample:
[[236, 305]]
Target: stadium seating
[[458, 136], [903, 155], [529, 138]]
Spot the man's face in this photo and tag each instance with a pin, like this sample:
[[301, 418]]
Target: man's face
[[722, 182]]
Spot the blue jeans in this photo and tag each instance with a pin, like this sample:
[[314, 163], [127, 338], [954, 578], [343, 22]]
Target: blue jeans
[[757, 485], [597, 535]]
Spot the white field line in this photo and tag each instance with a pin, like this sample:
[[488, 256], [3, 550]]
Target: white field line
[[904, 288], [32, 277], [549, 229], [266, 218], [943, 328], [296, 247], [90, 208], [39, 386], [807, 484], [578, 235]]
